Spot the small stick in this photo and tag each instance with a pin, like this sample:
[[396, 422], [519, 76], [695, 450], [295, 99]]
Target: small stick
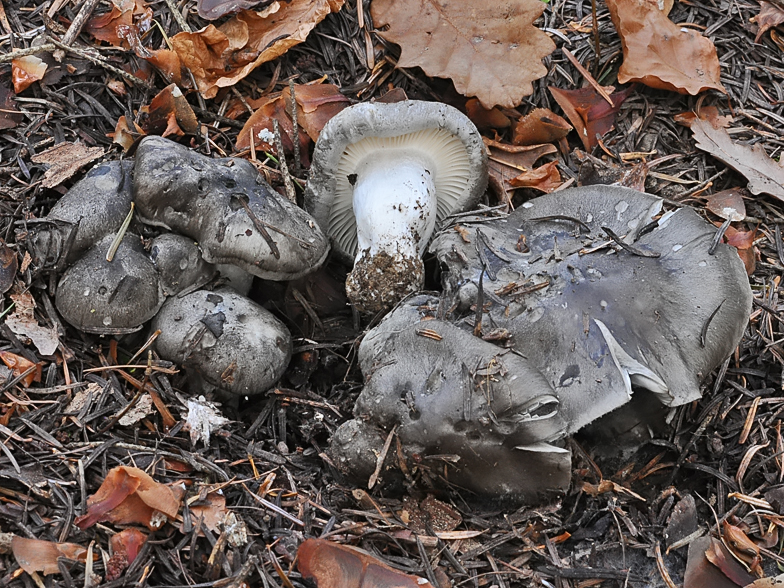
[[178, 16], [284, 169], [588, 77], [97, 61], [17, 53], [381, 457], [296, 127], [260, 228], [596, 41], [76, 27]]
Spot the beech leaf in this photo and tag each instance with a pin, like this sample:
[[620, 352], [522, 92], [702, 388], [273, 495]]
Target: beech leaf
[[764, 174], [219, 57], [659, 53], [35, 555], [540, 126], [487, 52], [339, 566]]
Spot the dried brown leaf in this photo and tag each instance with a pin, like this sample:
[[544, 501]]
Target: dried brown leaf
[[545, 178], [19, 365], [770, 15], [64, 160], [316, 104], [700, 573], [708, 113], [505, 162], [339, 566], [590, 114], [128, 496], [728, 204], [220, 57], [125, 547], [168, 114], [9, 115], [541, 125], [22, 322], [124, 135], [484, 118], [720, 557], [487, 52], [112, 26], [211, 511], [764, 175], [260, 127], [25, 71], [743, 241], [659, 53], [776, 582], [168, 63], [35, 555]]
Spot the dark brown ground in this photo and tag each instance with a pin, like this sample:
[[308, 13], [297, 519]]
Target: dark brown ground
[[286, 431]]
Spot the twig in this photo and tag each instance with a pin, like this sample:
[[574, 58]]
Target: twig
[[178, 16], [17, 53], [381, 458], [588, 77], [284, 169], [76, 27], [296, 127], [629, 248]]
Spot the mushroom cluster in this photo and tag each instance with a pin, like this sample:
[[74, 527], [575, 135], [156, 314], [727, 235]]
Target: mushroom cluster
[[217, 216], [383, 178], [551, 317]]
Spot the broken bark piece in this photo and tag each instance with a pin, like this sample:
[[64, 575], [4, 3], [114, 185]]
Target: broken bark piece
[[467, 412], [598, 319], [224, 341], [227, 207], [110, 297]]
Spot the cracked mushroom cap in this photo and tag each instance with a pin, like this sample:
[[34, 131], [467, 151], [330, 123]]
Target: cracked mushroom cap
[[117, 297], [431, 131], [224, 340], [455, 400], [595, 318], [95, 206], [225, 205]]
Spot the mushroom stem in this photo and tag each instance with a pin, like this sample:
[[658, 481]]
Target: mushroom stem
[[395, 206]]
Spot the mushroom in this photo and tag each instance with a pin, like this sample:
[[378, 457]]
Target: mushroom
[[95, 206], [225, 341], [117, 297], [466, 412], [179, 263], [603, 295], [225, 205], [383, 177]]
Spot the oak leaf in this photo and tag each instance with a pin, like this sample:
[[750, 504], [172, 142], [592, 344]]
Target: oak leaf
[[763, 173], [339, 566], [219, 57], [770, 15], [506, 162], [659, 53], [489, 50]]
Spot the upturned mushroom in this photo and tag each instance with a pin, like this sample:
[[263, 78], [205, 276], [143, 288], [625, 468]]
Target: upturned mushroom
[[225, 341], [94, 207], [383, 177], [592, 295], [225, 205]]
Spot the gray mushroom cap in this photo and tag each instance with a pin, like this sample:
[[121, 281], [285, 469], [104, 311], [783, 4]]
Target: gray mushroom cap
[[224, 340], [594, 318], [357, 131], [94, 207], [486, 410], [179, 263], [225, 205], [117, 297]]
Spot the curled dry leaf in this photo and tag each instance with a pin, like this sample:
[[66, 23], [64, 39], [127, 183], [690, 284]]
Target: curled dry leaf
[[25, 71], [35, 555], [590, 114], [220, 57], [484, 118], [700, 572], [339, 566], [770, 15], [112, 26], [506, 162], [64, 160], [316, 104], [168, 114], [720, 557], [743, 241], [659, 53], [541, 125], [125, 547], [125, 135], [260, 127], [22, 321], [128, 496], [708, 113], [167, 62], [8, 267], [214, 9], [764, 174], [488, 53], [211, 511], [19, 365], [545, 178]]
